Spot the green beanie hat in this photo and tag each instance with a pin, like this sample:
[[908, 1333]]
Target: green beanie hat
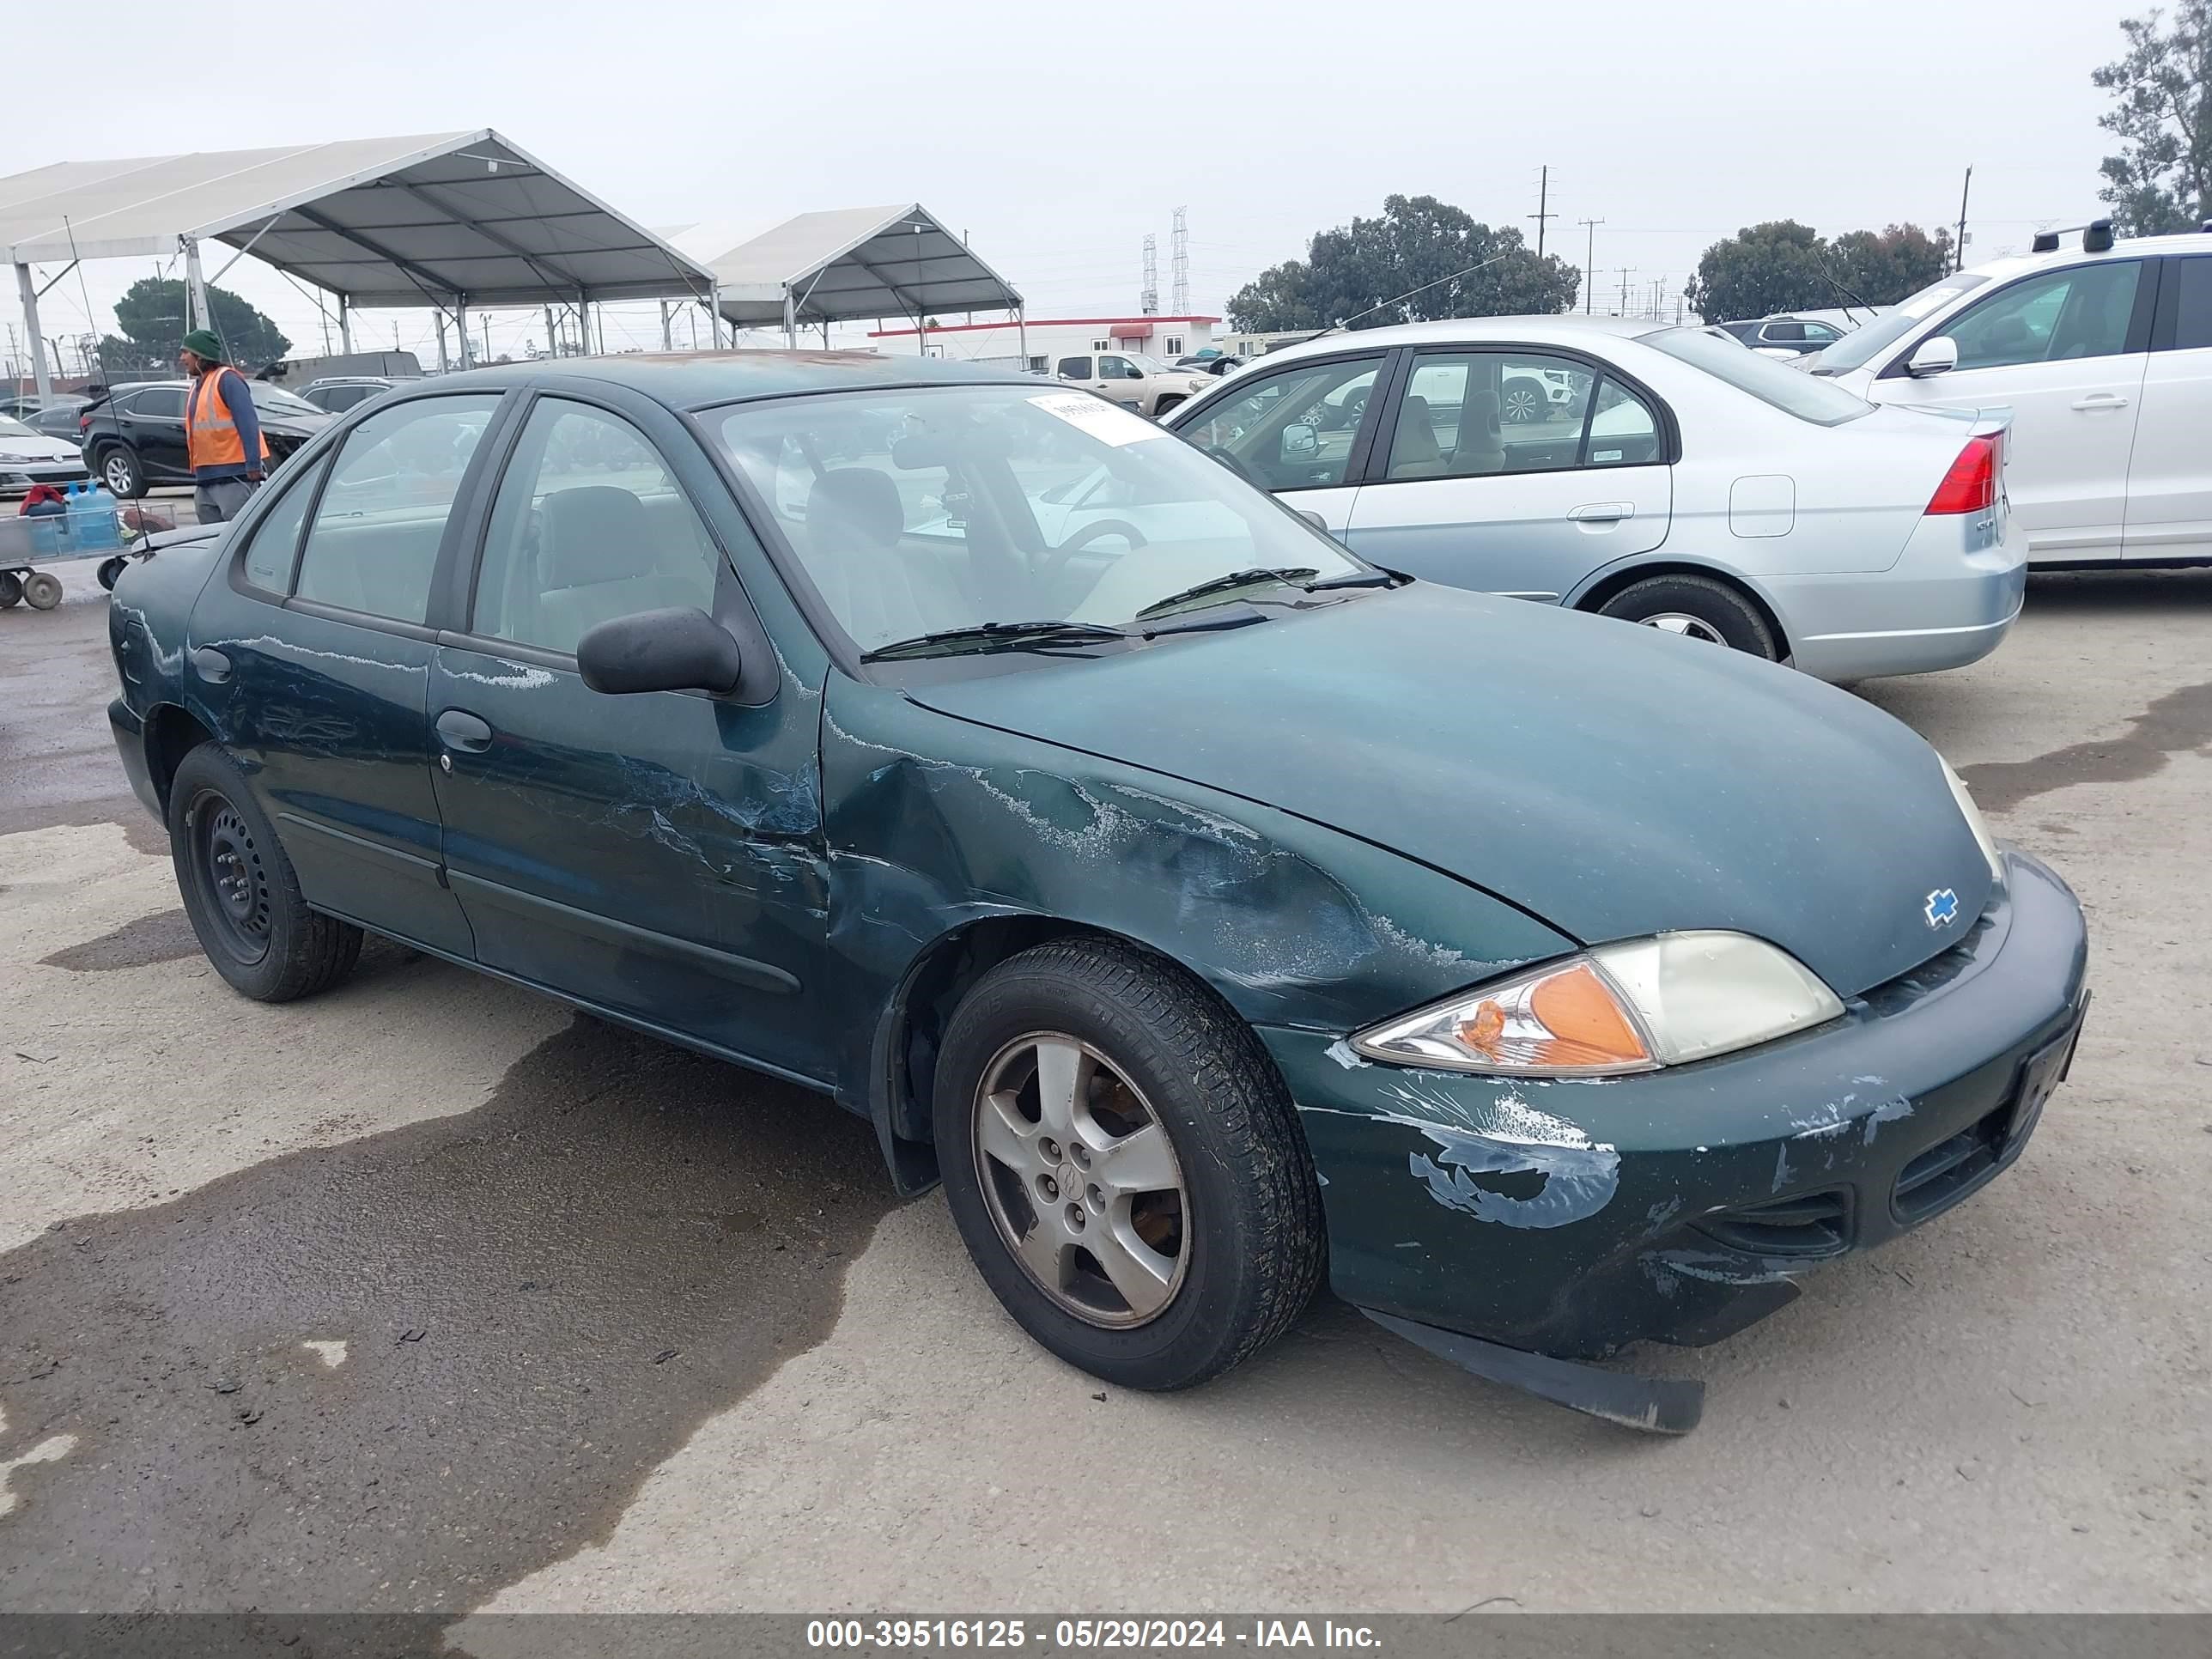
[[203, 344]]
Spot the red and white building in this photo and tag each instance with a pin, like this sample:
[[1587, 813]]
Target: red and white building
[[1040, 340]]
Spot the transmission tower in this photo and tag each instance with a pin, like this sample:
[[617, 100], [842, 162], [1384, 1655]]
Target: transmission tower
[[1148, 297], [1179, 245]]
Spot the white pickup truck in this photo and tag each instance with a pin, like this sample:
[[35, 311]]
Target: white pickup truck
[[1144, 384]]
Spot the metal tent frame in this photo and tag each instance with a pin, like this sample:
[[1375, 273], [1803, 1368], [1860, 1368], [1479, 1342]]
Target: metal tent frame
[[851, 262], [443, 220]]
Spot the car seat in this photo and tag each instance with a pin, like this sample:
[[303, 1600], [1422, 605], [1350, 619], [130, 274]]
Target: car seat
[[598, 559], [853, 522], [1413, 451], [1479, 448]]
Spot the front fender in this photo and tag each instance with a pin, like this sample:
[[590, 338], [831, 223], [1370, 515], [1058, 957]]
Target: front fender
[[936, 822]]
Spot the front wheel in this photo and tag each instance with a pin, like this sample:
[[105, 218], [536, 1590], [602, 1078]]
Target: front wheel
[[1124, 1165], [42, 589], [1525, 402], [1696, 608], [1167, 403], [239, 890], [121, 472]]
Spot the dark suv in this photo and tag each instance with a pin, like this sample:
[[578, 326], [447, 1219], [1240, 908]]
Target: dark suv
[[134, 438]]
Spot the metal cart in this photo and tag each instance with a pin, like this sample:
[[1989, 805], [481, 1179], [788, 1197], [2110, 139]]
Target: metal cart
[[56, 540]]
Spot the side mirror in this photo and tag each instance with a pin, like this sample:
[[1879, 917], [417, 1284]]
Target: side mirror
[[1939, 355], [677, 650], [1316, 521], [1301, 444]]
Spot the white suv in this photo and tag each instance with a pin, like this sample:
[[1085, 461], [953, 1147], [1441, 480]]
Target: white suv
[[2103, 353]]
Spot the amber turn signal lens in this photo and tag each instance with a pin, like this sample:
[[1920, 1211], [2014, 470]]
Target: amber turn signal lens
[[1585, 1024]]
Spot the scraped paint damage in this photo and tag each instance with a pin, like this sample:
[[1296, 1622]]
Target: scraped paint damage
[[1505, 1161]]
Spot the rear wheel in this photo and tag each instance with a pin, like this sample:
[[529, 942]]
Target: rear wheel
[[1124, 1165], [1696, 608], [239, 890], [42, 589], [121, 472], [110, 572], [1525, 402]]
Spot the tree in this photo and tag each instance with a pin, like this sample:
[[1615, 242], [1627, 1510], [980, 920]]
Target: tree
[[1882, 267], [1762, 268], [2162, 180], [151, 315], [1418, 243]]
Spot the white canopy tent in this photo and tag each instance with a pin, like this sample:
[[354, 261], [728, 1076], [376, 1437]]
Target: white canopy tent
[[443, 220], [849, 262]]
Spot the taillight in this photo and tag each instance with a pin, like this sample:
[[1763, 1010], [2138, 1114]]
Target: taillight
[[84, 422], [1971, 485]]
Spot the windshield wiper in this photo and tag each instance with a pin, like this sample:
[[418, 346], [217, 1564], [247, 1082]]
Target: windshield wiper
[[994, 635], [1297, 576]]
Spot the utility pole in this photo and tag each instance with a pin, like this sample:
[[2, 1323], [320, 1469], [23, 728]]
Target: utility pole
[[1543, 206], [1625, 272], [1179, 257], [1589, 265], [1958, 248]]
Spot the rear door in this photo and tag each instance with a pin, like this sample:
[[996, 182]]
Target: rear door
[[2169, 514], [1302, 430], [1459, 491], [658, 855], [152, 423], [2065, 351], [316, 653]]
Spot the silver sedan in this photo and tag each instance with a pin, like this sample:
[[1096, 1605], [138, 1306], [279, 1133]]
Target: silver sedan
[[1660, 475]]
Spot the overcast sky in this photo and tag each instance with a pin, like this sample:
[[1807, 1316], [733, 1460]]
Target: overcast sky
[[1057, 135]]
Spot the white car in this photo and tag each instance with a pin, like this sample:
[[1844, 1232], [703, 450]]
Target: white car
[[2103, 354], [28, 457], [1682, 481]]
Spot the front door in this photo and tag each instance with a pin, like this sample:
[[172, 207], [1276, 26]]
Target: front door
[[327, 705], [152, 423], [1299, 431], [2170, 472], [1119, 380], [2065, 352], [1515, 473], [658, 854]]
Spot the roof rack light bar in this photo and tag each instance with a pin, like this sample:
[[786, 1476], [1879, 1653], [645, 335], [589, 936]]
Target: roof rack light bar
[[2096, 237]]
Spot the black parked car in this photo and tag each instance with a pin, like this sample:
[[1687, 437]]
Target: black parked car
[[134, 438]]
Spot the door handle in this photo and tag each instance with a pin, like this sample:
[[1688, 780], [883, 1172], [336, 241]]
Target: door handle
[[2097, 400], [1602, 511], [212, 665], [464, 731]]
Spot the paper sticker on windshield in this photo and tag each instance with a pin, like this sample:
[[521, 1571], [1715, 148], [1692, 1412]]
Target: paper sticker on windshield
[[1107, 423]]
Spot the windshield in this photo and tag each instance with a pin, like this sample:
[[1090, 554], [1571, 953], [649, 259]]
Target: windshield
[[1862, 345], [1150, 365], [271, 400], [12, 428], [1772, 383], [919, 510]]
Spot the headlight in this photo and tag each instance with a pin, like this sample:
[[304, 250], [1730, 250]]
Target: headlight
[[1973, 816], [1629, 1007]]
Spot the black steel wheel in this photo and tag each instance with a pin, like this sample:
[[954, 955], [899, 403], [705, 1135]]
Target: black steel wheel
[[110, 571], [11, 589], [240, 889]]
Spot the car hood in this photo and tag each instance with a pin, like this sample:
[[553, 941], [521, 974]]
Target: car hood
[[40, 449], [1615, 781]]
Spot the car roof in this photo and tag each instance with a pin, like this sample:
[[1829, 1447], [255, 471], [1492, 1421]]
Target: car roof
[[2124, 248], [702, 379], [1565, 330]]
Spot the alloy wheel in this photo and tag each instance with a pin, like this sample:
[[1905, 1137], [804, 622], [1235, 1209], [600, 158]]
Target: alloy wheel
[[117, 471], [1081, 1180], [1693, 627]]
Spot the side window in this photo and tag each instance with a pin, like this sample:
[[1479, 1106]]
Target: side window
[[2193, 312], [589, 526], [1467, 413], [374, 543], [1175, 347], [275, 544], [1820, 334], [2080, 311], [1623, 429], [1075, 368], [1291, 429], [1115, 368], [1791, 333], [161, 403]]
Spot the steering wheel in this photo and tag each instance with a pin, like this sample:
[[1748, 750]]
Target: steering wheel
[[1056, 560], [1236, 464]]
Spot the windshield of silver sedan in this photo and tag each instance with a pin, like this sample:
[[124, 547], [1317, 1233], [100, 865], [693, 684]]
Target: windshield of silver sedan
[[975, 518]]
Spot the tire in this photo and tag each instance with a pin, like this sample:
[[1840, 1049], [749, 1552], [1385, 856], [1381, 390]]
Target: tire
[[1232, 1248], [1696, 607], [240, 889], [1525, 402], [119, 469], [42, 589], [110, 572], [11, 589], [1167, 403]]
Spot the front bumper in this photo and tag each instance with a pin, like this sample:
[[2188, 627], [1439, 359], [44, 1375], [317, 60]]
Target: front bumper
[[1573, 1218]]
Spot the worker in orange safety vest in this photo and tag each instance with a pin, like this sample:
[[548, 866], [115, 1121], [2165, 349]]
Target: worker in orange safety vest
[[228, 456]]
